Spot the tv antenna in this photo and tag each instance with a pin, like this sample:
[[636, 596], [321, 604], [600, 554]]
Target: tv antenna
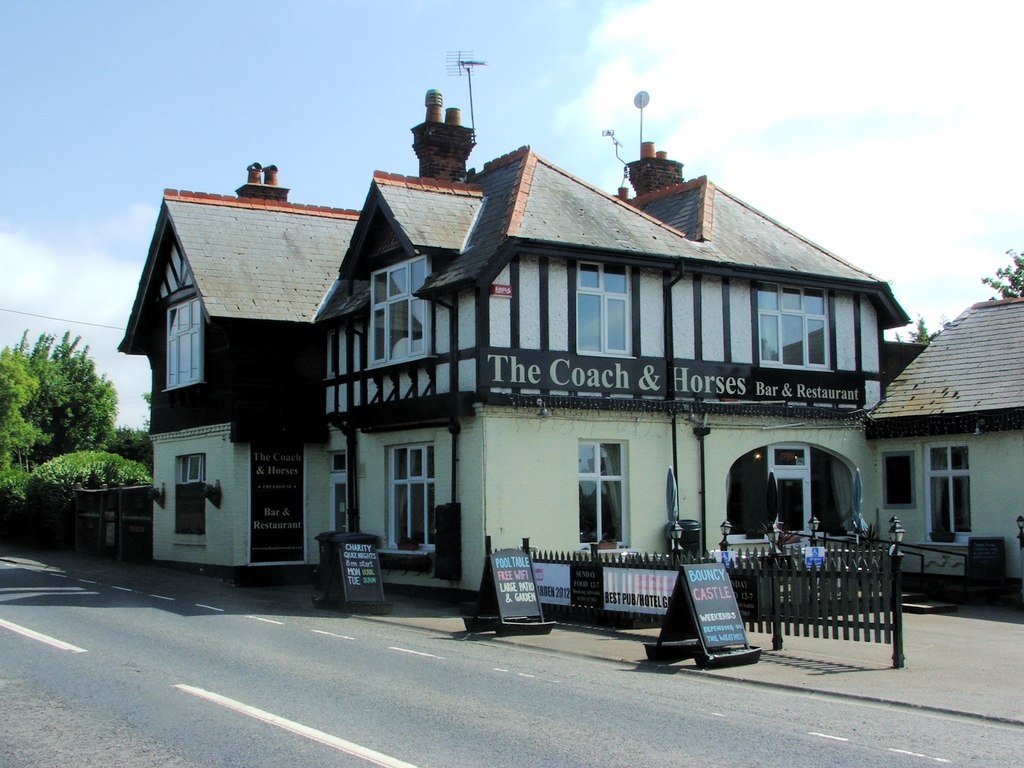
[[460, 62], [618, 145], [641, 100]]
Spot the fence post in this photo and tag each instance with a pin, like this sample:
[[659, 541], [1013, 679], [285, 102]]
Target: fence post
[[776, 617], [896, 532]]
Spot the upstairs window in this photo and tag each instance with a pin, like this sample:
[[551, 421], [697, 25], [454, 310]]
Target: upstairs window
[[184, 344], [792, 326], [602, 310], [398, 330]]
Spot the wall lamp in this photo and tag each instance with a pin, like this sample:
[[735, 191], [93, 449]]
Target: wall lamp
[[156, 495], [212, 493], [726, 528], [543, 413]]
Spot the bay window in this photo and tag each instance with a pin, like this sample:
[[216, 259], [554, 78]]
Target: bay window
[[398, 328], [792, 326], [184, 344]]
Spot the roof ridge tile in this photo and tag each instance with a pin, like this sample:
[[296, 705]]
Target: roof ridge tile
[[207, 198]]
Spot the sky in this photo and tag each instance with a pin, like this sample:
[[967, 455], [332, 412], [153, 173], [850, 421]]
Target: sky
[[887, 132]]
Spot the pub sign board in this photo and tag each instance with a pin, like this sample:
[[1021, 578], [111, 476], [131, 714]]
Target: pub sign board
[[276, 511]]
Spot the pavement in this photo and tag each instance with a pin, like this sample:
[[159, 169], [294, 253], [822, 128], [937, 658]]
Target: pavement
[[968, 663]]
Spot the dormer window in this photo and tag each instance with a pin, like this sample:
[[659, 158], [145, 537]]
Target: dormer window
[[792, 326], [398, 328], [602, 310], [184, 344]]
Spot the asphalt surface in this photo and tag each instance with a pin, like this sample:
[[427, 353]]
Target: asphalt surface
[[968, 663]]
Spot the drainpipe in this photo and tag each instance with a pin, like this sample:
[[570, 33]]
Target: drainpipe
[[700, 433]]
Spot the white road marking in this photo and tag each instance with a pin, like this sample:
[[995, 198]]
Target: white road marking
[[717, 714], [523, 674], [209, 607], [918, 754], [268, 621], [348, 747], [826, 736], [162, 597], [331, 634], [47, 589], [414, 653], [87, 581], [123, 589], [499, 669], [31, 633]]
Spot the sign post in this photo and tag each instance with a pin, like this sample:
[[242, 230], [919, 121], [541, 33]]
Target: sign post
[[703, 621]]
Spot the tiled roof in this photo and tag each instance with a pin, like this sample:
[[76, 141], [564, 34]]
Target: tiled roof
[[431, 213], [975, 364], [739, 234], [526, 198], [259, 260]]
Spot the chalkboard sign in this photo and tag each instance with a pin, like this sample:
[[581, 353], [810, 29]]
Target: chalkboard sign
[[703, 621], [986, 559], [711, 595], [514, 587], [360, 572], [586, 585]]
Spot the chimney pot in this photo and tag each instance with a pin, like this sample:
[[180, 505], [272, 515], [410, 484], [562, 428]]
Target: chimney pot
[[623, 194], [453, 116], [254, 173], [270, 175], [433, 102], [661, 154], [647, 150]]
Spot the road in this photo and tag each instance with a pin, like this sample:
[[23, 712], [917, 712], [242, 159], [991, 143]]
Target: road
[[186, 671]]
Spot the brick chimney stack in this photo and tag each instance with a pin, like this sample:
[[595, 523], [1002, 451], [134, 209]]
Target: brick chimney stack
[[653, 170], [442, 147], [267, 190]]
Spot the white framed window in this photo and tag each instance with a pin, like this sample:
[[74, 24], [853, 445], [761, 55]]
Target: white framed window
[[398, 327], [412, 494], [949, 491], [184, 344], [792, 326], [602, 310], [602, 492], [189, 497]]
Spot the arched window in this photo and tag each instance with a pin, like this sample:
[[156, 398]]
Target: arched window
[[809, 482]]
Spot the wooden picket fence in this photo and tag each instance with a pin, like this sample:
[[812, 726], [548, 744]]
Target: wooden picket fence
[[851, 595]]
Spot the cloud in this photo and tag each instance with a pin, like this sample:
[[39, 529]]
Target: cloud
[[80, 278], [886, 132]]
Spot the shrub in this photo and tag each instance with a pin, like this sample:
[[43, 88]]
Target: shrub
[[13, 485], [50, 496]]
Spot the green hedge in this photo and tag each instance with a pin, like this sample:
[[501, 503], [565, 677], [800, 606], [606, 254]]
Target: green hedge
[[50, 492], [13, 487]]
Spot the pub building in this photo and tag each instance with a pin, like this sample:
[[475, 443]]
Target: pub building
[[493, 355]]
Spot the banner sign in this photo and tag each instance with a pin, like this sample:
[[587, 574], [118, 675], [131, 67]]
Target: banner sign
[[637, 591], [277, 516], [640, 376], [552, 583]]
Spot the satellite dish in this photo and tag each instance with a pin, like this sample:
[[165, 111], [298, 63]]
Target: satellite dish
[[642, 99]]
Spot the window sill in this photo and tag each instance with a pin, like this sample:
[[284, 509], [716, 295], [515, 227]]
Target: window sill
[[396, 366]]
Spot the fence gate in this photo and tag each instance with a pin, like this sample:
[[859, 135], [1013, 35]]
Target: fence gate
[[115, 522]]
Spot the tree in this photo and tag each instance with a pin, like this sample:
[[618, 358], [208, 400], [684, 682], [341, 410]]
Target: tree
[[921, 334], [17, 388], [73, 407], [1009, 280]]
